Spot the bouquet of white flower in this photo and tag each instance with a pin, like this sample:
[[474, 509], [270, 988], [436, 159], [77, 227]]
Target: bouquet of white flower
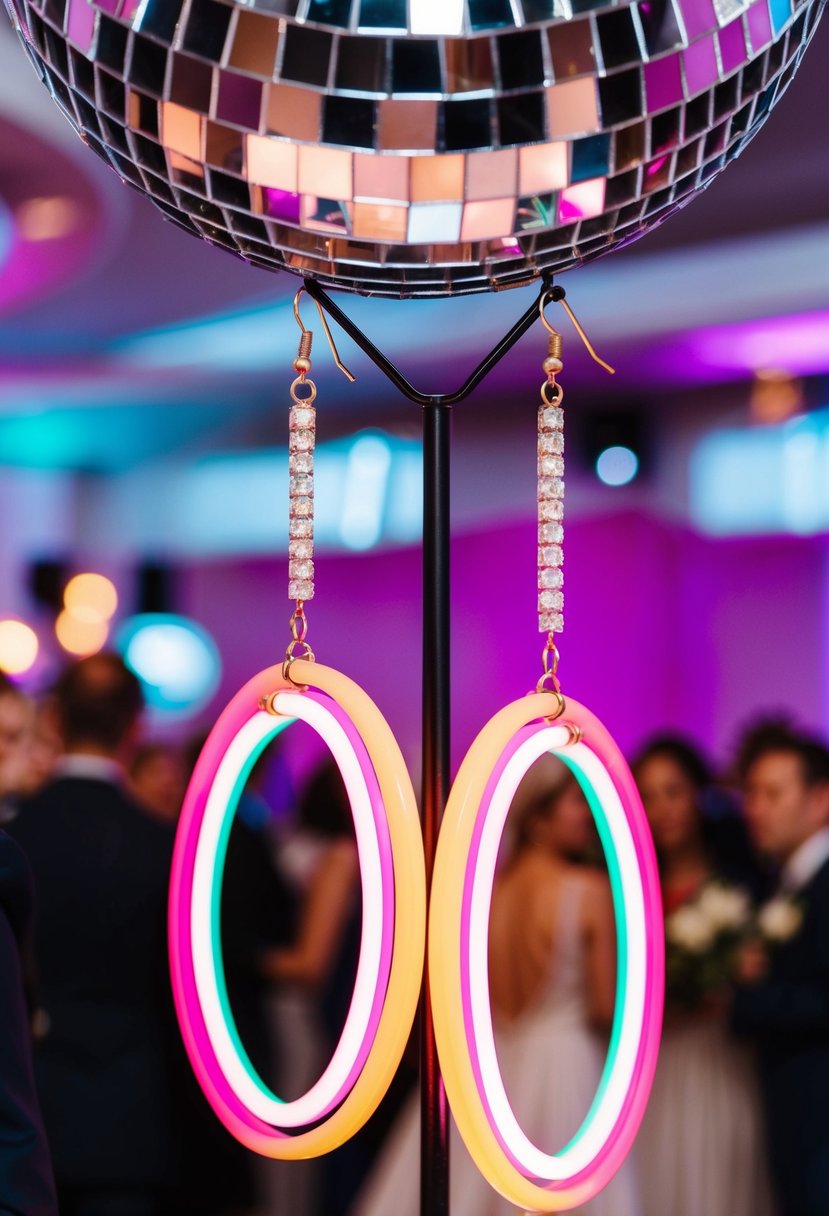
[[701, 939], [779, 919]]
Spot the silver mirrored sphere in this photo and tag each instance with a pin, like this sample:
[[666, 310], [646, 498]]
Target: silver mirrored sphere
[[417, 147]]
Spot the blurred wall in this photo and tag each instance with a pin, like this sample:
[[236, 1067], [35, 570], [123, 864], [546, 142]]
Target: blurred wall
[[664, 628]]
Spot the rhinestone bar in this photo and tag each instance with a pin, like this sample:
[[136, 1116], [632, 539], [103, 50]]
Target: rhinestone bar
[[302, 437], [550, 516]]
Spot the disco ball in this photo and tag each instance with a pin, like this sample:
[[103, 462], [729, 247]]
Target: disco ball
[[417, 147]]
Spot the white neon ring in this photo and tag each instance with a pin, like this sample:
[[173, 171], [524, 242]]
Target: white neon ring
[[305, 1109]]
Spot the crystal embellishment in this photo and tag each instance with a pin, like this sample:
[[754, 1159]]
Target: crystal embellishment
[[550, 487], [300, 589], [550, 510], [550, 443], [302, 436], [550, 579], [551, 466], [302, 416], [301, 483], [550, 515], [550, 534], [550, 555], [301, 441], [550, 600], [552, 418]]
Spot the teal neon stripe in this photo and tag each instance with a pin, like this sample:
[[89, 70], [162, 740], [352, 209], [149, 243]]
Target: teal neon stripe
[[622, 948], [216, 881]]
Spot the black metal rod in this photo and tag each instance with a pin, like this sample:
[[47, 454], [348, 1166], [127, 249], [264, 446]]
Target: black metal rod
[[437, 420], [399, 380]]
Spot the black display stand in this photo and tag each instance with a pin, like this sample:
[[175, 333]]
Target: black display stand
[[434, 1160]]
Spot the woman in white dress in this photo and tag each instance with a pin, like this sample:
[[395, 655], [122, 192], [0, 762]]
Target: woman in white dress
[[552, 983], [319, 860], [700, 1151]]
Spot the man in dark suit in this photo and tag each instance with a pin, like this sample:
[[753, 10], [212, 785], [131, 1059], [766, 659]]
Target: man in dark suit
[[101, 868], [26, 1184], [783, 1000], [16, 716]]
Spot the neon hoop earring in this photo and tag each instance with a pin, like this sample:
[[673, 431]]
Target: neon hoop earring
[[462, 888], [390, 851]]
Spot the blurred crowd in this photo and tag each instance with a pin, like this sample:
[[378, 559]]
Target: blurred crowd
[[100, 1114]]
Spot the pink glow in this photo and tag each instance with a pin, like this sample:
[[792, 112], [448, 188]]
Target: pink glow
[[33, 268], [237, 1119], [799, 344], [759, 25], [510, 246], [663, 82], [80, 26], [701, 69], [582, 201], [699, 17], [733, 46], [282, 204], [655, 165]]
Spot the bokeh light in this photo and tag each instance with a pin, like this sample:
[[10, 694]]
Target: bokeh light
[[364, 492], [47, 219], [617, 465], [91, 598], [176, 660], [80, 636], [18, 647], [776, 395]]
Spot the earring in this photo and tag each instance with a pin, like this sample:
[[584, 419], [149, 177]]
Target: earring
[[389, 845], [543, 721]]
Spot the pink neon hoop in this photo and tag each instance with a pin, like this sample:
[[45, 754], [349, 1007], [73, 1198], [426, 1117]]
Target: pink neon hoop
[[378, 892], [520, 1171], [366, 1079]]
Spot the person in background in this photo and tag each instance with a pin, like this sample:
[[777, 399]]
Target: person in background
[[101, 867], [26, 1184], [43, 748], [16, 715], [552, 963], [322, 858], [313, 974], [158, 779], [782, 1002], [700, 1150]]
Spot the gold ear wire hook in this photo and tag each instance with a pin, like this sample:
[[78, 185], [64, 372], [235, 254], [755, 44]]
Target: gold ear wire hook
[[542, 303], [348, 375]]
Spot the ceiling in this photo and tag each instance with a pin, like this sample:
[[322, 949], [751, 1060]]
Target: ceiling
[[122, 339]]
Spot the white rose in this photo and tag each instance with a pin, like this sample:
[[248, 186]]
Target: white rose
[[726, 908], [779, 919], [690, 929]]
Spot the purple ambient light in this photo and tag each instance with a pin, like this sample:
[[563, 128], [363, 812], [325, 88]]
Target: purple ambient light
[[52, 219], [798, 344]]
